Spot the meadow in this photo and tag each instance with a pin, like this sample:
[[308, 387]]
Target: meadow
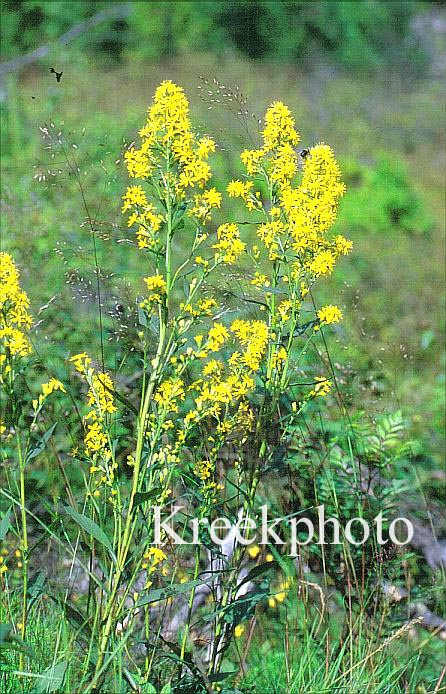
[[76, 614]]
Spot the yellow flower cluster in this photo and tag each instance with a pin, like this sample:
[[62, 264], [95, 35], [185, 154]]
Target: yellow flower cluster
[[280, 596], [204, 469], [169, 394], [253, 335], [300, 215], [100, 394], [48, 388], [217, 336], [3, 567], [97, 443], [229, 246], [269, 233], [238, 189], [252, 159], [144, 216], [321, 388], [204, 203], [260, 280], [279, 127], [14, 315], [225, 385], [156, 285], [168, 140], [203, 307], [329, 314], [152, 559]]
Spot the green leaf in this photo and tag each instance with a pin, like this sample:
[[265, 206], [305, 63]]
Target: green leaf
[[35, 588], [10, 642], [52, 678], [168, 592], [141, 497], [74, 616], [5, 524], [142, 318], [258, 571], [221, 676], [5, 632], [41, 445], [90, 527]]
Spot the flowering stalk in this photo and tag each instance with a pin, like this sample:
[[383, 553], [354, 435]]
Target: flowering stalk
[[204, 373]]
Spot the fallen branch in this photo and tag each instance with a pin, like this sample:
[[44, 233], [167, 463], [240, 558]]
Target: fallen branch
[[113, 12]]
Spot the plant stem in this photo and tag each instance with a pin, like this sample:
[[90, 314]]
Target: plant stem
[[24, 545], [111, 615]]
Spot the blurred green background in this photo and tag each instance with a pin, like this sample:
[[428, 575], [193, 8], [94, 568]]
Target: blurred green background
[[365, 77]]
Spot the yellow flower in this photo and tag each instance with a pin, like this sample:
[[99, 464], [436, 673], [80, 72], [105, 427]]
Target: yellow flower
[[204, 146], [95, 439], [81, 362], [204, 203], [329, 314], [229, 245], [216, 337], [156, 283], [254, 551], [252, 158], [323, 263], [154, 556], [253, 335], [269, 233], [322, 387], [284, 165], [343, 246], [238, 189], [260, 280], [3, 567], [204, 469], [100, 395], [52, 385], [48, 388], [14, 341], [169, 393], [279, 127], [134, 195], [239, 631], [284, 309], [212, 197], [14, 316], [201, 261]]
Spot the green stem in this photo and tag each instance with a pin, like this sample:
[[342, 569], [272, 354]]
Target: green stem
[[111, 614], [24, 545]]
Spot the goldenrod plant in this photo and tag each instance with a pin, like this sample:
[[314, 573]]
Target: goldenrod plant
[[200, 379], [221, 394]]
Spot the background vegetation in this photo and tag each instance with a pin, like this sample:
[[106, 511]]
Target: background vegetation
[[365, 77]]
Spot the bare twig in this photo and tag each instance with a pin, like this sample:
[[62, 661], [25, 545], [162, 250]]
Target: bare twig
[[112, 12]]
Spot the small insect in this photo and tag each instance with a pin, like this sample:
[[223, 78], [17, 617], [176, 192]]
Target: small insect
[[304, 153], [58, 74]]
